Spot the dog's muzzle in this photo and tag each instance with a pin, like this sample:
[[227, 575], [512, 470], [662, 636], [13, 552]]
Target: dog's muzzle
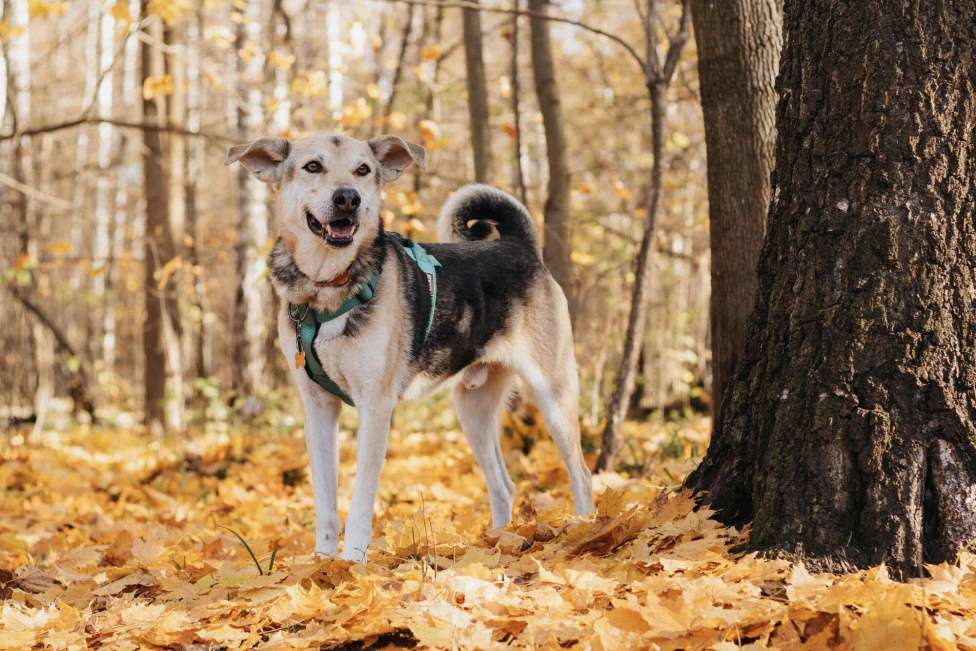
[[339, 230]]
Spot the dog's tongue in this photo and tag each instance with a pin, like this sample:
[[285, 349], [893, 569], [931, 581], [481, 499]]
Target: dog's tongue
[[342, 228]]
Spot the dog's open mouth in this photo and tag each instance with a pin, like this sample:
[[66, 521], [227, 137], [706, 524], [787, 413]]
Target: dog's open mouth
[[338, 232]]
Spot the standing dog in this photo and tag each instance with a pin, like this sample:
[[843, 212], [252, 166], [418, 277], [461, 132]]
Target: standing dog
[[496, 313]]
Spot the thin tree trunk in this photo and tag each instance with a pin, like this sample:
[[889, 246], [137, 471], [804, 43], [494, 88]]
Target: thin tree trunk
[[738, 57], [557, 246], [477, 94], [619, 402], [398, 70], [22, 165], [198, 345], [252, 297], [518, 172], [101, 238], [659, 75], [849, 432], [430, 100], [125, 218], [157, 250]]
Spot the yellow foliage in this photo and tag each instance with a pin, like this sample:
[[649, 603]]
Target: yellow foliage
[[61, 247], [648, 570], [7, 31], [46, 8], [120, 12], [171, 11], [157, 86], [430, 53], [621, 190], [166, 272], [397, 120], [249, 51], [356, 112], [283, 60], [311, 84]]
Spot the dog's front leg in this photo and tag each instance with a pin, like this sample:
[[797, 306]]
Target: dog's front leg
[[321, 438], [371, 440]]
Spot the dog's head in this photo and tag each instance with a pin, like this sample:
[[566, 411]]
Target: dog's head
[[329, 191]]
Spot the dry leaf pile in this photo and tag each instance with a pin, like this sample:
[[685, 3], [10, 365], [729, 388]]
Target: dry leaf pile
[[109, 540]]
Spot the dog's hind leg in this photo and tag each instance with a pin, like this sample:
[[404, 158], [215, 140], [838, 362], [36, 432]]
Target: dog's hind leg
[[479, 411], [555, 387]]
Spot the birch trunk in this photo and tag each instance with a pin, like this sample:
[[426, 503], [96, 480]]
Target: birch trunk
[[101, 238], [252, 297]]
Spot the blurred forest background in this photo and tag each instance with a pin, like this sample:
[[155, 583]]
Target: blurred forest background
[[129, 249]]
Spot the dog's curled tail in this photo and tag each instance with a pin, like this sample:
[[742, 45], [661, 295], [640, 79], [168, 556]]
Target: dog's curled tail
[[482, 212]]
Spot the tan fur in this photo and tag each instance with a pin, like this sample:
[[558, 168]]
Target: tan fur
[[374, 366]]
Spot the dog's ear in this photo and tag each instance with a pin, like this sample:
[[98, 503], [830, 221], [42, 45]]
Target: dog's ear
[[395, 155], [262, 158]]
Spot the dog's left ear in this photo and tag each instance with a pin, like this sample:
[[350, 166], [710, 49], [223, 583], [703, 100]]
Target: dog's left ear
[[395, 155], [262, 158]]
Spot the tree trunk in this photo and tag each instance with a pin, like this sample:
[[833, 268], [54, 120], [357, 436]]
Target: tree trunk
[[738, 57], [252, 304], [477, 94], [158, 249], [401, 61], [556, 243], [198, 353], [626, 373], [518, 173], [848, 435], [104, 197]]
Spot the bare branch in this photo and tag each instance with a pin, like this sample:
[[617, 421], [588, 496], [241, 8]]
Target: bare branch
[[126, 124], [677, 43], [34, 193], [462, 4]]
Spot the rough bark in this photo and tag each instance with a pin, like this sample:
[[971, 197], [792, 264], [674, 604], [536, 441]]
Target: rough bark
[[477, 94], [738, 56], [848, 435], [556, 242]]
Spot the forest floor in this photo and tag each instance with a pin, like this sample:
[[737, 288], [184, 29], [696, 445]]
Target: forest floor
[[109, 540]]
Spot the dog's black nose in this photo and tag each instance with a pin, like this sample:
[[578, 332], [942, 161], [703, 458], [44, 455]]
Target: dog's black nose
[[346, 199]]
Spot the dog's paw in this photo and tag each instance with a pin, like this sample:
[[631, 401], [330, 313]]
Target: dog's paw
[[354, 554]]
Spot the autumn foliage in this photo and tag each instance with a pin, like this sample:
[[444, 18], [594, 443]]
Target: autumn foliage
[[107, 540]]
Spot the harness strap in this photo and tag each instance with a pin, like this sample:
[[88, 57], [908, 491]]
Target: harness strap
[[308, 321], [427, 264]]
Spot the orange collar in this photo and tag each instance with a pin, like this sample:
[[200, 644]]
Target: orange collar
[[339, 281]]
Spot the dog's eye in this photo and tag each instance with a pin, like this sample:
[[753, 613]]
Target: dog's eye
[[362, 170], [313, 167]]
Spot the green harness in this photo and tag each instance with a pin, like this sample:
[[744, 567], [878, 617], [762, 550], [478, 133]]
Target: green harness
[[308, 321]]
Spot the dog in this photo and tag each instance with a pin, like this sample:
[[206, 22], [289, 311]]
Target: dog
[[489, 311]]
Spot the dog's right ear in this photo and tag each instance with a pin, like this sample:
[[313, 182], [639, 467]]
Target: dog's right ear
[[263, 158]]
